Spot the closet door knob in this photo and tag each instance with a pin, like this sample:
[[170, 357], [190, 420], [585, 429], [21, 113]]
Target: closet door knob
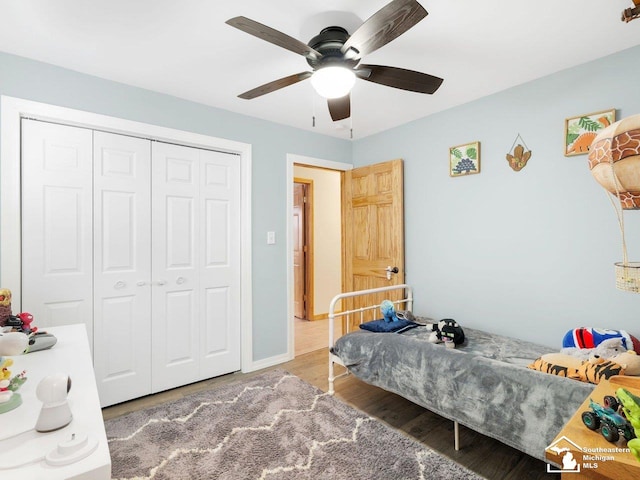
[[119, 285], [141, 283], [161, 282], [180, 280]]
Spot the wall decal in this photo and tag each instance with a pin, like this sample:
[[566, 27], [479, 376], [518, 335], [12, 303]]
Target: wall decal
[[580, 131], [464, 159], [518, 156]]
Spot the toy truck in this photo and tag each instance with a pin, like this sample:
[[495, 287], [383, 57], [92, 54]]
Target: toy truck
[[612, 425]]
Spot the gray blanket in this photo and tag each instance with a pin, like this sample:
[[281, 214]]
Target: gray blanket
[[483, 384]]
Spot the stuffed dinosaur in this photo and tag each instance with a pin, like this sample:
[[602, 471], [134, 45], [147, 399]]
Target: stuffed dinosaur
[[631, 407]]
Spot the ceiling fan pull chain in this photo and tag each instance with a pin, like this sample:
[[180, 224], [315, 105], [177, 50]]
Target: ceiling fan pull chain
[[313, 108]]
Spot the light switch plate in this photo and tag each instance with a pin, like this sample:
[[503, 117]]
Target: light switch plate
[[271, 238]]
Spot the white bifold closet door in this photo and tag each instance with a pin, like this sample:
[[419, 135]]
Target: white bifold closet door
[[57, 241], [142, 245], [122, 267], [196, 264]]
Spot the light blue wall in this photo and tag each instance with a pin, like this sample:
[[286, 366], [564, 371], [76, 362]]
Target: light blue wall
[[530, 253], [270, 142]]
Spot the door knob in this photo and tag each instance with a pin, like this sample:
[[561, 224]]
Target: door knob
[[391, 270], [180, 280], [159, 283]]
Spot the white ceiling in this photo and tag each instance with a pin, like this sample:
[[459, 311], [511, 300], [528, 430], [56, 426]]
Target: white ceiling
[[184, 48]]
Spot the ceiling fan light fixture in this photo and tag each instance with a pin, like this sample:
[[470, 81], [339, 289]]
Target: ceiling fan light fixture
[[333, 82]]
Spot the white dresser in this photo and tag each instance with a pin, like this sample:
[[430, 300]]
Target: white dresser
[[21, 444]]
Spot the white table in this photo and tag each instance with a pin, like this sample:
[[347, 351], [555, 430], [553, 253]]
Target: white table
[[20, 443]]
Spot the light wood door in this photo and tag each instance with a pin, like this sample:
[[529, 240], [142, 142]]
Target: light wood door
[[122, 266], [57, 240], [299, 274], [195, 265], [373, 231]]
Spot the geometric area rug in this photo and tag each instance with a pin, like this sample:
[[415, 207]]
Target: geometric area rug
[[272, 426]]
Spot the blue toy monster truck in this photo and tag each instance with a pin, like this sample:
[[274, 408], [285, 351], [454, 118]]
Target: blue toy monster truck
[[612, 425]]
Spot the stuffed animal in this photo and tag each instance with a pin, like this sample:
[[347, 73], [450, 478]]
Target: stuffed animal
[[606, 349], [563, 365], [630, 405], [446, 330], [5, 305], [405, 315], [629, 360], [388, 311], [587, 337]]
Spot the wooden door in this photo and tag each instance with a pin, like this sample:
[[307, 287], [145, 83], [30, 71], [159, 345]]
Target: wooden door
[[57, 238], [373, 231], [122, 266], [299, 250]]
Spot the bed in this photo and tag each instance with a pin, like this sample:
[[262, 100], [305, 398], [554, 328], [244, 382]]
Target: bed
[[483, 384]]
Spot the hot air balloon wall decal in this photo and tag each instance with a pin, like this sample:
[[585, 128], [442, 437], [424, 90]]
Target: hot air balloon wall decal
[[614, 161]]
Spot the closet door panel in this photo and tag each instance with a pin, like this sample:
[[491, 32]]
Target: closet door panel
[[220, 263], [56, 224], [175, 253], [122, 266]]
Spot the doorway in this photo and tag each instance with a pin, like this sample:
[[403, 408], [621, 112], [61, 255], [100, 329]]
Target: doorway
[[302, 247], [323, 252]]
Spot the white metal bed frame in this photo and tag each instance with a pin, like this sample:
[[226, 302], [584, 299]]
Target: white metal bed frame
[[407, 301]]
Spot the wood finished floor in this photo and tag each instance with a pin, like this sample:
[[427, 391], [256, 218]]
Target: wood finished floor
[[481, 454], [311, 336]]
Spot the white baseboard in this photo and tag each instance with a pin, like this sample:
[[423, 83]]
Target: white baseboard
[[266, 362]]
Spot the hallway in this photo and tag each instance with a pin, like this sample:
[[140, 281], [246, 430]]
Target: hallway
[[314, 335]]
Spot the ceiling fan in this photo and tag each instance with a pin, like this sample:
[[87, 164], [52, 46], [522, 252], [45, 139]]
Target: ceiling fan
[[334, 53]]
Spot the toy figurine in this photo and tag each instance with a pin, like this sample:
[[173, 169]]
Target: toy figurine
[[9, 398], [27, 319], [5, 305]]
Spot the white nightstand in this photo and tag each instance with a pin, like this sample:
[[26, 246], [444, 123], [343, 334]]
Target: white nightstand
[[21, 444]]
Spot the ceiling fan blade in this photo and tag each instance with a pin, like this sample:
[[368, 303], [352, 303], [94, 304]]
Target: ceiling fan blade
[[340, 108], [272, 36], [399, 78], [388, 23], [275, 85]]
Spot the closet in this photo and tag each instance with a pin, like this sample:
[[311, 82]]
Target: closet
[[140, 241]]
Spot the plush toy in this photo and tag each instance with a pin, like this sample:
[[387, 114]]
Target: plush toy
[[5, 305], [388, 311], [629, 360], [630, 405], [446, 330], [592, 370], [405, 315], [587, 337], [559, 364], [606, 349], [451, 331]]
